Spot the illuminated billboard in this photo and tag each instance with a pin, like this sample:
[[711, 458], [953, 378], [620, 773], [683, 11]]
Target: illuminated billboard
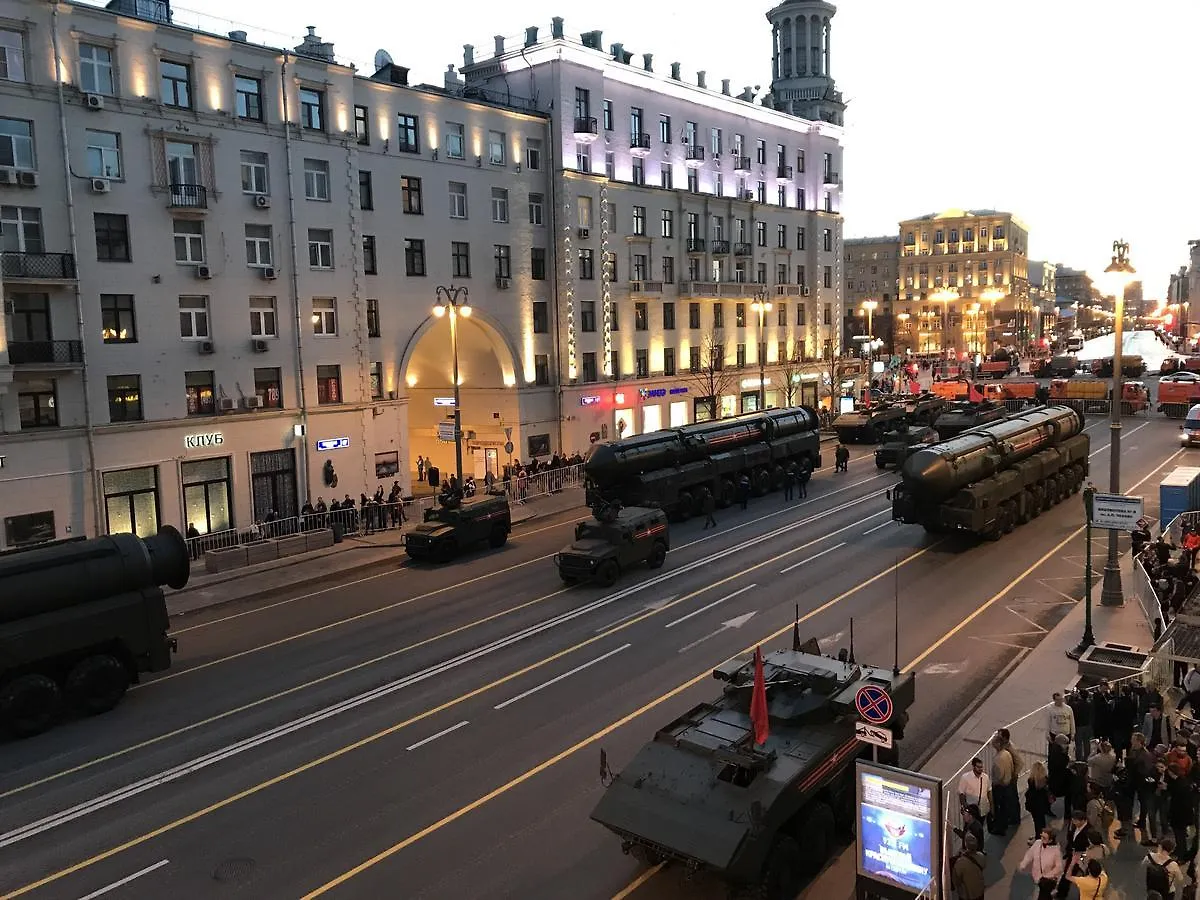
[[899, 826]]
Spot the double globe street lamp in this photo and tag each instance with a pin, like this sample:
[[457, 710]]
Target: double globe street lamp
[[453, 300]]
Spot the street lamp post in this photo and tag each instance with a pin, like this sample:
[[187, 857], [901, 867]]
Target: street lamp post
[[454, 300], [870, 306], [1121, 271], [762, 307]]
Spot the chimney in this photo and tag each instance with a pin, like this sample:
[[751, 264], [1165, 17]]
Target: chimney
[[237, 36], [747, 94], [452, 82], [618, 51], [313, 46], [398, 75], [499, 39], [675, 71], [531, 36], [725, 86], [700, 79], [648, 62], [468, 55], [593, 39], [556, 28]]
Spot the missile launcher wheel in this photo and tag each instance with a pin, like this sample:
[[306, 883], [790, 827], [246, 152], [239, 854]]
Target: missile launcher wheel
[[97, 683], [29, 704]]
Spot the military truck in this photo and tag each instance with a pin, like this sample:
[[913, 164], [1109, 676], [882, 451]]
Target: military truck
[[703, 794], [80, 620], [866, 423], [606, 546], [898, 445], [456, 525]]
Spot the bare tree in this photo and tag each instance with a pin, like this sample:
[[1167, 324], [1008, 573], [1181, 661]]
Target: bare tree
[[711, 379], [790, 371]]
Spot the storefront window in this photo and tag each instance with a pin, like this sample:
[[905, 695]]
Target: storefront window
[[749, 401], [206, 494], [273, 484], [131, 501], [651, 418], [728, 406], [29, 529], [624, 423], [679, 415]]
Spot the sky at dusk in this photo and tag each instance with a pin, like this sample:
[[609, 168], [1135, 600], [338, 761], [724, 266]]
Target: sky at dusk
[[1070, 113]]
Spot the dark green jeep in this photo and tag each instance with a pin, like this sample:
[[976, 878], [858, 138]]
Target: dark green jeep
[[449, 529], [899, 445], [602, 550]]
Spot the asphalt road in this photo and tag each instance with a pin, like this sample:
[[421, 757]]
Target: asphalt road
[[436, 732]]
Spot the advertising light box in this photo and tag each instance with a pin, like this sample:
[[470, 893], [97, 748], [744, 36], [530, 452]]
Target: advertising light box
[[899, 826]]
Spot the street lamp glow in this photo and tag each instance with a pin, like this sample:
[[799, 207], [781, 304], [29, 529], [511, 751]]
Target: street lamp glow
[[761, 306], [454, 300], [439, 310]]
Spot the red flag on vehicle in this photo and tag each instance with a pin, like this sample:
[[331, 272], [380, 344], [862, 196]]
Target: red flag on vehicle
[[758, 701]]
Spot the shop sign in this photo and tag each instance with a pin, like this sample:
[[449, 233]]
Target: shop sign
[[648, 393], [589, 399], [755, 382], [197, 441], [443, 401], [340, 443], [678, 390]]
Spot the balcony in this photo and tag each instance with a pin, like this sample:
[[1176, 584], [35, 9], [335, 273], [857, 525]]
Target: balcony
[[739, 290], [639, 144], [646, 287], [788, 290], [742, 249], [784, 173], [188, 196], [695, 245], [46, 354], [741, 164], [695, 156], [37, 267], [720, 248], [586, 130], [832, 179]]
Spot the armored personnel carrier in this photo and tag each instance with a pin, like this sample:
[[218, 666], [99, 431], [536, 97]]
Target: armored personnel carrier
[[611, 543], [898, 445], [960, 417], [923, 408], [703, 794], [866, 423], [458, 524]]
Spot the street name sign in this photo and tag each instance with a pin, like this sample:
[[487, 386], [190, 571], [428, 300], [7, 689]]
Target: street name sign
[[1116, 511]]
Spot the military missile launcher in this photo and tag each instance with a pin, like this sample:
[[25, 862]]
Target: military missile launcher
[[963, 416], [866, 424], [80, 620], [990, 479], [675, 468], [704, 795]]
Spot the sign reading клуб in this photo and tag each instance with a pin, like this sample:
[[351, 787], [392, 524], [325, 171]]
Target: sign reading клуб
[[198, 441]]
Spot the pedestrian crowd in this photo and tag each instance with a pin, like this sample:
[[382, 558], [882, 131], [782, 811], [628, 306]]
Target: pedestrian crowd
[[1171, 569]]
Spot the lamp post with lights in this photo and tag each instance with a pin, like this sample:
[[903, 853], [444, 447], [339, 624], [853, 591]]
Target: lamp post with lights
[[869, 306], [1121, 271], [761, 306], [454, 300], [945, 296]]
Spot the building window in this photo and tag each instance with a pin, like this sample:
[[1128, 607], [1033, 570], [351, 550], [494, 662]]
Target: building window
[[781, 316], [610, 166], [268, 387], [273, 484], [718, 315], [827, 240], [254, 173], [414, 256], [503, 258], [537, 209], [541, 317], [760, 192], [610, 260], [641, 362], [694, 359], [460, 259], [37, 403], [316, 179], [377, 381], [637, 172], [249, 97], [189, 241], [741, 356], [641, 317], [362, 126], [533, 154], [739, 315], [199, 388], [495, 148], [117, 321], [639, 221], [131, 500], [827, 276], [614, 318], [21, 229], [668, 360], [587, 316], [589, 367], [537, 263], [320, 248], [499, 205], [781, 273], [206, 489], [410, 196], [641, 267], [584, 209], [801, 199], [175, 79], [664, 129], [262, 317], [193, 318], [329, 384], [125, 398], [16, 144], [668, 310], [366, 193], [693, 181], [455, 141], [458, 200], [668, 223], [373, 318], [103, 154], [258, 246], [762, 153], [312, 113], [370, 264], [608, 115], [541, 369], [583, 158], [324, 316], [666, 178], [587, 269], [95, 70], [29, 529], [668, 269], [801, 238]]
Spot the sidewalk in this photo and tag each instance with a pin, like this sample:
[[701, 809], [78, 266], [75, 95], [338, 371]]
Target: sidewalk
[[359, 555]]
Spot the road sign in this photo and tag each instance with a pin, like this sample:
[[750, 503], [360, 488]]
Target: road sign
[[508, 447], [340, 443], [508, 432], [873, 734], [1116, 512], [874, 704], [445, 431]]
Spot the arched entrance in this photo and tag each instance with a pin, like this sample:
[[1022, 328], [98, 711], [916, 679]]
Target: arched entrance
[[488, 388]]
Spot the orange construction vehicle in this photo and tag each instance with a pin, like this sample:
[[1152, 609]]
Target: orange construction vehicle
[[1177, 393], [1134, 395], [956, 389], [1015, 389]]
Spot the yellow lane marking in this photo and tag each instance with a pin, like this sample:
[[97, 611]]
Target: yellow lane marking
[[638, 882]]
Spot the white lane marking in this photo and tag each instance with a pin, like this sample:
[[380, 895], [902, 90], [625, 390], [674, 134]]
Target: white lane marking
[[558, 678], [944, 668], [736, 622], [876, 528], [815, 556], [434, 737], [124, 881], [652, 606], [1124, 435], [709, 606]]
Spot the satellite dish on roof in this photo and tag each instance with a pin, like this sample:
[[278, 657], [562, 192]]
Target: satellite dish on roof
[[382, 59]]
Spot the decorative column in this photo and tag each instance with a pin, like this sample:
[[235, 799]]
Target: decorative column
[[828, 46], [800, 30]]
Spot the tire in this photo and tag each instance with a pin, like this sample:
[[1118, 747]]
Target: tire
[[29, 705], [498, 537], [657, 556], [784, 871], [567, 579], [97, 684], [815, 836], [445, 552], [607, 573], [684, 506], [880, 464]]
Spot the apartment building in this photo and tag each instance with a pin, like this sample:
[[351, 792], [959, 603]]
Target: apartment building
[[1043, 293], [873, 277], [964, 280], [218, 275], [683, 209]]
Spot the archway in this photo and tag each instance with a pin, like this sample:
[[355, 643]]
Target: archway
[[489, 375]]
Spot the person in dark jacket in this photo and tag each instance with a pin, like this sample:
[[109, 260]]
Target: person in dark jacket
[[1101, 714], [708, 505], [1038, 798], [1081, 706], [1058, 761], [1124, 720], [1180, 809]]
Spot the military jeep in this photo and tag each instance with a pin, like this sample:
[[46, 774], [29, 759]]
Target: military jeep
[[900, 444], [602, 550], [449, 529]]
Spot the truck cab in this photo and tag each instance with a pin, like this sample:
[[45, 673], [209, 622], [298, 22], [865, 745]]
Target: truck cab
[[602, 550], [448, 530], [1189, 431]]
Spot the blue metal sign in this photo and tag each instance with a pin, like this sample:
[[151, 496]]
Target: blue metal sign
[[334, 443], [874, 704], [589, 399], [443, 401]]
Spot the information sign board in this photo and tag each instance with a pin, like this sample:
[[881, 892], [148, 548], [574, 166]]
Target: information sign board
[[899, 823]]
